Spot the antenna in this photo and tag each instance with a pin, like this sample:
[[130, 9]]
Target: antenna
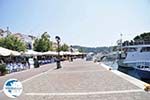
[[7, 30], [121, 41]]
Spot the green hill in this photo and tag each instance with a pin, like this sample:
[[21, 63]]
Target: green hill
[[92, 49]]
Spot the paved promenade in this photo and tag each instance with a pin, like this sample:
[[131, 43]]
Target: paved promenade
[[25, 74], [79, 80]]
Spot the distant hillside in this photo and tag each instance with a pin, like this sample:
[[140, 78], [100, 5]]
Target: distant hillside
[[92, 49]]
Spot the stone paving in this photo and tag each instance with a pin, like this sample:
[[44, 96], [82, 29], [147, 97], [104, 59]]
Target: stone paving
[[80, 80], [25, 74]]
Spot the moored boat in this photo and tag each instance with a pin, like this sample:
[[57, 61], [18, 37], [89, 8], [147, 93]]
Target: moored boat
[[143, 72], [133, 56]]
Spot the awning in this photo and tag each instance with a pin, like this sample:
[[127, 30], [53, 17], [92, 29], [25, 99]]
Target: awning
[[52, 53], [32, 53], [7, 52]]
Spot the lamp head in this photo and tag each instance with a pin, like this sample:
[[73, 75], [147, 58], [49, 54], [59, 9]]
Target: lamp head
[[57, 38]]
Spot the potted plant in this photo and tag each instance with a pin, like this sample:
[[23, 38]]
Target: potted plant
[[3, 69]]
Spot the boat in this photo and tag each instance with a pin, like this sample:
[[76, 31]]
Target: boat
[[89, 56], [143, 72], [130, 57]]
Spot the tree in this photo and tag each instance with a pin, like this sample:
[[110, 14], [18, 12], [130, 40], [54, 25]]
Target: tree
[[137, 38], [43, 44], [143, 37], [64, 47], [13, 43], [125, 43], [51, 46]]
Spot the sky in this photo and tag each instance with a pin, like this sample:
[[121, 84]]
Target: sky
[[91, 23]]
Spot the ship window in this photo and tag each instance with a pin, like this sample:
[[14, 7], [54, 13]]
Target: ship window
[[145, 49], [131, 49]]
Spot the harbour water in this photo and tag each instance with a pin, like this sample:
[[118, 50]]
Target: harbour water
[[130, 72]]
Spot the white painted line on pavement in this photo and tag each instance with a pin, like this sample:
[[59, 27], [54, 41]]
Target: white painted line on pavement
[[36, 76], [88, 71], [131, 79], [84, 93], [32, 77]]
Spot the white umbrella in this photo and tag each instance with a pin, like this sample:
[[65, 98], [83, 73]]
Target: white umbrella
[[68, 53], [77, 53], [15, 53], [4, 52], [62, 53], [32, 53], [7, 52], [50, 53]]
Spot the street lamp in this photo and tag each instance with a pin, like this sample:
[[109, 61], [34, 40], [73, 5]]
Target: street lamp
[[58, 51], [71, 50]]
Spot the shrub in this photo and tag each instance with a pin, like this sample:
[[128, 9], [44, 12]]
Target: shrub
[[3, 69]]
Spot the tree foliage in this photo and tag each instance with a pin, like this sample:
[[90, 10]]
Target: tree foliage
[[144, 37], [64, 47], [43, 44], [92, 49], [13, 43]]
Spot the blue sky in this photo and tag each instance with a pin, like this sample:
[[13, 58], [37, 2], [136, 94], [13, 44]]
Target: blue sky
[[78, 22]]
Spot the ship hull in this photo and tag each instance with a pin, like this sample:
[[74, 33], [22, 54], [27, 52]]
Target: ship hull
[[143, 73]]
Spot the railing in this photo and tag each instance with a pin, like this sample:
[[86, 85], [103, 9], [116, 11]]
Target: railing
[[143, 63]]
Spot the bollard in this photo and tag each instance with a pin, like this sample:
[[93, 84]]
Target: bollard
[[147, 87]]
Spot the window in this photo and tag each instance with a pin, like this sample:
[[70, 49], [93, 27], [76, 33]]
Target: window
[[131, 49], [145, 49]]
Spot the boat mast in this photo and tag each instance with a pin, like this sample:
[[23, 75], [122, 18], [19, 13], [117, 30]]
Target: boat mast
[[121, 41]]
